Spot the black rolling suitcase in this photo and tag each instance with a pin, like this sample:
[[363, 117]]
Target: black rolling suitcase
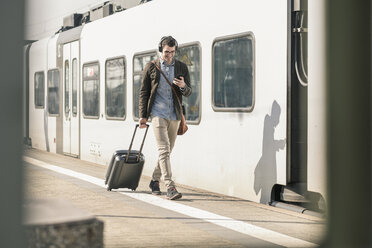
[[126, 166]]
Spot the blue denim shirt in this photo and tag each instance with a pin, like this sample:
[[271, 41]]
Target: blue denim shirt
[[163, 106]]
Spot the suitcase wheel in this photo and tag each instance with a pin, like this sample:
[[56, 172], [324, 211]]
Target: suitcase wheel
[[108, 189]]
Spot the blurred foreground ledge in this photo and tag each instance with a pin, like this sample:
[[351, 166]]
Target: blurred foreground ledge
[[57, 223]]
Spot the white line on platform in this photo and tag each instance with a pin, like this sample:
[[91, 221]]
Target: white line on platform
[[235, 225]]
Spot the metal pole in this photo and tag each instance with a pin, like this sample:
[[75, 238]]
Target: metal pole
[[349, 123]]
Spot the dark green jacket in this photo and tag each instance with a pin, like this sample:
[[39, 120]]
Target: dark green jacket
[[150, 83]]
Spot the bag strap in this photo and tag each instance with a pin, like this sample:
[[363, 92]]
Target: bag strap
[[170, 84]]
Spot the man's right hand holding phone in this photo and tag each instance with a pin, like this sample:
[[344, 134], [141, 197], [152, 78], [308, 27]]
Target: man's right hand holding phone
[[179, 81]]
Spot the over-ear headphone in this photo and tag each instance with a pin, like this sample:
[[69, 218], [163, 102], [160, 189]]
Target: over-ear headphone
[[160, 47]]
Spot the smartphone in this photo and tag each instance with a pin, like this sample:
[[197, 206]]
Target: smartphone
[[179, 76]]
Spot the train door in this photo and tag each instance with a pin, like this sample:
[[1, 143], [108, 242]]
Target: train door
[[299, 94], [71, 99], [297, 114], [296, 191]]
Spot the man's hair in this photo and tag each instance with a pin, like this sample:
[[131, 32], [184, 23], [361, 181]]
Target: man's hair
[[167, 41]]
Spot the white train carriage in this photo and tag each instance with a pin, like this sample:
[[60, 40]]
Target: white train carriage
[[43, 94], [247, 114]]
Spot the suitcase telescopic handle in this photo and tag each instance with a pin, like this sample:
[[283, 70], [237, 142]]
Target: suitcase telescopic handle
[[143, 141]]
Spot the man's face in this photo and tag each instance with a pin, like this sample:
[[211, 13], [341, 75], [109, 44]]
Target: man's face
[[168, 53]]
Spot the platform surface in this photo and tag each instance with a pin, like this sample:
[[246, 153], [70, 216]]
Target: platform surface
[[140, 219]]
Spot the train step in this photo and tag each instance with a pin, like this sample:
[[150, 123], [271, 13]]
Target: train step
[[294, 193], [297, 195]]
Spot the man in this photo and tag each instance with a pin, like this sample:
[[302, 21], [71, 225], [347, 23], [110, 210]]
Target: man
[[158, 101]]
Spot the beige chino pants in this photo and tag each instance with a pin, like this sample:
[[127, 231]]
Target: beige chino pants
[[165, 133]]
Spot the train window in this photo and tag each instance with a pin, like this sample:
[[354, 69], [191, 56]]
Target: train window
[[39, 89], [190, 55], [74, 86], [91, 90], [139, 63], [67, 88], [53, 92], [115, 88], [233, 73]]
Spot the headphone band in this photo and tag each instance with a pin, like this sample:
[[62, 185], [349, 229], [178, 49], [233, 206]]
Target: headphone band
[[160, 46]]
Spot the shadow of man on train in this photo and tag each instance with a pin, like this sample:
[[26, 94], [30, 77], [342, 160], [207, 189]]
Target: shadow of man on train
[[265, 174]]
